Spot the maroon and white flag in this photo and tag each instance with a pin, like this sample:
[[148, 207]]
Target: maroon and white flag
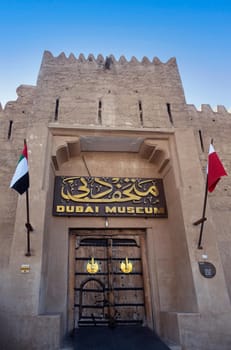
[[215, 169]]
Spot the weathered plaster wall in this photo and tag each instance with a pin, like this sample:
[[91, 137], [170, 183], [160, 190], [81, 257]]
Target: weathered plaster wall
[[95, 94]]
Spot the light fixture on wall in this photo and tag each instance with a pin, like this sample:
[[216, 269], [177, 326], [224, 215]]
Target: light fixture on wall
[[106, 222], [204, 256]]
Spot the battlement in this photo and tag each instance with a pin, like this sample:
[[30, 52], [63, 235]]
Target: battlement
[[104, 61], [206, 109], [92, 77]]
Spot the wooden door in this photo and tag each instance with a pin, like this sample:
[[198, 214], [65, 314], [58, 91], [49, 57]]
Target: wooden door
[[108, 287]]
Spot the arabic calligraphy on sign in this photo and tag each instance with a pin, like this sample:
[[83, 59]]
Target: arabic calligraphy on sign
[[99, 196], [102, 190]]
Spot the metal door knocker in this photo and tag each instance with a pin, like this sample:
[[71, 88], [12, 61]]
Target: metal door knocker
[[126, 266], [92, 266]]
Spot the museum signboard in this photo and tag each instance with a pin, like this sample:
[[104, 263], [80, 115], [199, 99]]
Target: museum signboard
[[109, 196]]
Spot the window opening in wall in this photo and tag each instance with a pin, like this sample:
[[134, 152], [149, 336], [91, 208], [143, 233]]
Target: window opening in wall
[[169, 113], [57, 109], [100, 112], [201, 141], [10, 129], [141, 113]]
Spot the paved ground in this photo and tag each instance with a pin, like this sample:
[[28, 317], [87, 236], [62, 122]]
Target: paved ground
[[118, 338]]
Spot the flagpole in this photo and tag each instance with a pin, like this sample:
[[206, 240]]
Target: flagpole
[[28, 225], [203, 219]]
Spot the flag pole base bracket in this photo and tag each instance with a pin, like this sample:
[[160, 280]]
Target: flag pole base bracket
[[198, 222], [29, 227]]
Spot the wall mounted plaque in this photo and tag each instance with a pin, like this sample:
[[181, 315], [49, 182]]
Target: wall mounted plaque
[[109, 196], [25, 268], [207, 269]]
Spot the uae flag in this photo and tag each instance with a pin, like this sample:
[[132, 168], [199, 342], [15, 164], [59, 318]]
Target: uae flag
[[215, 169], [20, 180]]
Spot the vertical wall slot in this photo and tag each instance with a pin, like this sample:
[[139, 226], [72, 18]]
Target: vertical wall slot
[[100, 112], [201, 141], [141, 113], [169, 113], [10, 129], [57, 109]]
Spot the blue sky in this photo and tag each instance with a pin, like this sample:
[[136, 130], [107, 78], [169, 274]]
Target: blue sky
[[197, 33]]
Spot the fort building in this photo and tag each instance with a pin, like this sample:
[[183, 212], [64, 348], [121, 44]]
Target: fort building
[[117, 164]]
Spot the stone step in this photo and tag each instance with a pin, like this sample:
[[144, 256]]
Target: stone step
[[174, 347], [171, 347], [136, 337]]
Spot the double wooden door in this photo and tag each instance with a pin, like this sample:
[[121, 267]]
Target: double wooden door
[[108, 281]]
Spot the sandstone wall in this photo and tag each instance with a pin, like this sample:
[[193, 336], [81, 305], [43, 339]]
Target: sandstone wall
[[105, 93]]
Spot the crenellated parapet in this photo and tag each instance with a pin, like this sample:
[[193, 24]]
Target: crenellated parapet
[[209, 116], [107, 91], [103, 61], [206, 108]]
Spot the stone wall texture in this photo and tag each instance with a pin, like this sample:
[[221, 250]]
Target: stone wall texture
[[102, 93]]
